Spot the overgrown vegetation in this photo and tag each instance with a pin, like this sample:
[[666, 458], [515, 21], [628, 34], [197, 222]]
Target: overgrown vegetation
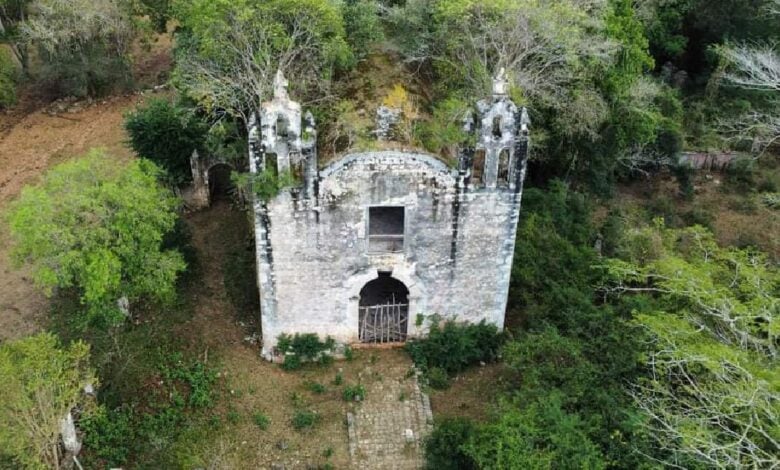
[[302, 348], [96, 226], [41, 382], [455, 346], [9, 75], [159, 416], [167, 134], [635, 343]]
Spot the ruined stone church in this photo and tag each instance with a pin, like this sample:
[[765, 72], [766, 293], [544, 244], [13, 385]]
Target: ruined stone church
[[368, 247]]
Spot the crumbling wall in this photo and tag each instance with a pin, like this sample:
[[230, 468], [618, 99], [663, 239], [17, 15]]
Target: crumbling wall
[[312, 240], [321, 258]]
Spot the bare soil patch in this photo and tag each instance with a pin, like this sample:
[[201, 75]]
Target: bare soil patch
[[736, 218], [30, 143], [217, 329]]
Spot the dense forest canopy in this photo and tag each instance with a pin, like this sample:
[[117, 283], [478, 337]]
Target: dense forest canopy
[[640, 335]]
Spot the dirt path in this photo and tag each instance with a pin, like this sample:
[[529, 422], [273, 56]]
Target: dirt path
[[30, 143]]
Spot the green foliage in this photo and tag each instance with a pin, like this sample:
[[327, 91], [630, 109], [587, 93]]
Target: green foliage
[[540, 434], [198, 379], [443, 132], [315, 387], [93, 72], [97, 226], [265, 185], [305, 419], [570, 346], [305, 38], [444, 446], [361, 25], [166, 134], [771, 200], [349, 353], [40, 382], [114, 436], [438, 378], [261, 420], [159, 12], [8, 79], [354, 393], [684, 174], [302, 348], [454, 346], [741, 175], [339, 379], [714, 333], [83, 45]]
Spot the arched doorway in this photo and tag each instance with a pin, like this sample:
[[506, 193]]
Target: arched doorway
[[221, 186], [383, 310]]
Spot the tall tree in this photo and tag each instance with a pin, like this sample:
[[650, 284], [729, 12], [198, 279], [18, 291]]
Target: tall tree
[[710, 397], [756, 67], [12, 14], [40, 382], [97, 226], [83, 44], [229, 51]]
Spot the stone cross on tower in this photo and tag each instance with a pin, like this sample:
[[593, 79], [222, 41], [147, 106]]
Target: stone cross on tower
[[280, 86]]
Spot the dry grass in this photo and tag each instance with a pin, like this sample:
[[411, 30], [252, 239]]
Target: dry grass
[[736, 218], [472, 394]]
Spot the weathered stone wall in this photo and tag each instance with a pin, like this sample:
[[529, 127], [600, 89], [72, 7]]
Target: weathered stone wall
[[457, 251]]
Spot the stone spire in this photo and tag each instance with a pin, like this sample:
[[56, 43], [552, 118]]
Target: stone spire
[[500, 83], [280, 86]]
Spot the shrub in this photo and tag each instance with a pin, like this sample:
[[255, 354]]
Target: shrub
[[455, 346], [699, 216], [541, 434], [315, 387], [92, 73], [167, 134], [8, 76], [83, 47], [444, 130], [304, 419], [151, 423], [771, 200], [361, 24], [443, 448], [198, 380], [302, 348], [339, 379], [349, 354], [261, 420], [438, 378], [354, 393], [685, 175], [741, 175]]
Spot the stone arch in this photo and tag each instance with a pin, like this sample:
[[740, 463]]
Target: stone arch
[[404, 274], [198, 195], [384, 310], [218, 181]]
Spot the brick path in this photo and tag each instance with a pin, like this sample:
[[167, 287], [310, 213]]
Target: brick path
[[379, 437]]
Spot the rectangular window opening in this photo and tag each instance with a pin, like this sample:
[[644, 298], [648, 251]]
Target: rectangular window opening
[[386, 229]]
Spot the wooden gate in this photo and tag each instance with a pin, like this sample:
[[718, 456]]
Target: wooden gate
[[385, 323]]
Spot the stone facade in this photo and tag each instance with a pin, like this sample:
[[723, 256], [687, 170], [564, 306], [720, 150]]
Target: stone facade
[[321, 243]]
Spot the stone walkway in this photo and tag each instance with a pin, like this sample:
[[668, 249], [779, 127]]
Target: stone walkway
[[387, 431]]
